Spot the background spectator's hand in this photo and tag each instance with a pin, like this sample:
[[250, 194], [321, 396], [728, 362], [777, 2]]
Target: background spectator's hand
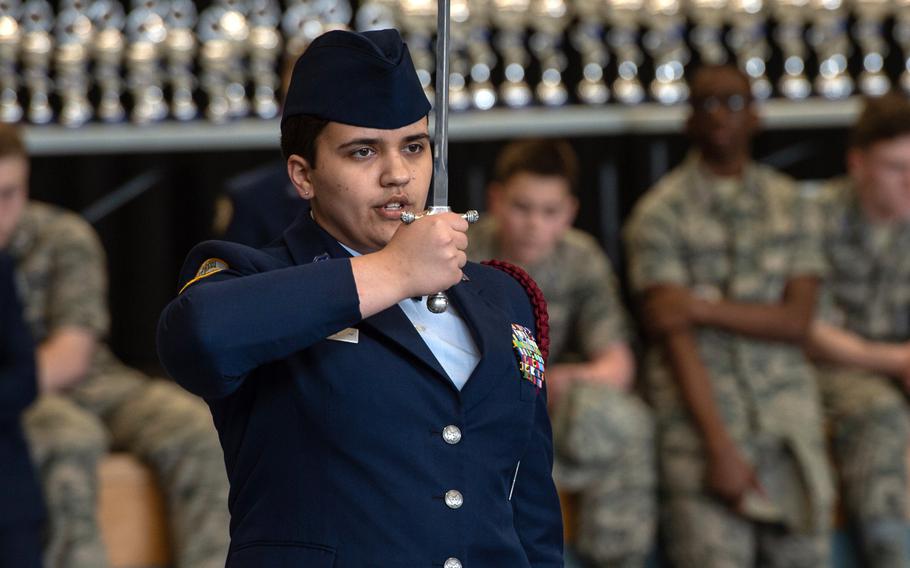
[[559, 378], [904, 376], [668, 308], [730, 476]]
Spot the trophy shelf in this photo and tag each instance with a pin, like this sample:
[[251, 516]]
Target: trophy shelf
[[567, 121]]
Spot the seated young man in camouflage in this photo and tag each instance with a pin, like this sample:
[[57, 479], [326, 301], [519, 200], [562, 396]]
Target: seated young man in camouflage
[[602, 431], [727, 268], [89, 401], [862, 334]]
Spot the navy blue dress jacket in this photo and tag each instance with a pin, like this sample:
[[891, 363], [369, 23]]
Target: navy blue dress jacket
[[22, 495], [334, 449]]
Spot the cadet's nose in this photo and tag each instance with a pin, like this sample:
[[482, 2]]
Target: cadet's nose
[[396, 172]]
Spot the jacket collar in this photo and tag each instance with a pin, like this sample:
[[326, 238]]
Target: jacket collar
[[308, 242]]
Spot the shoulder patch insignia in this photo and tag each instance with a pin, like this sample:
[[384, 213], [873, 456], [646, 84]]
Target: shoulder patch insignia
[[530, 360], [207, 268]]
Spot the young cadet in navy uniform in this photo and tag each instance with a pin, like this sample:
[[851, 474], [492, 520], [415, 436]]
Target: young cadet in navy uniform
[[22, 513], [359, 429]]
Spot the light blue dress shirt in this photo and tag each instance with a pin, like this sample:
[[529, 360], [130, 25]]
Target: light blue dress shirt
[[446, 334]]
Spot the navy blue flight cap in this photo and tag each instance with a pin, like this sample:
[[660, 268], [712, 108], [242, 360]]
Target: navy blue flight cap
[[361, 79]]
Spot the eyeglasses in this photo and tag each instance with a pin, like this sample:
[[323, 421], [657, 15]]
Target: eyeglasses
[[733, 103]]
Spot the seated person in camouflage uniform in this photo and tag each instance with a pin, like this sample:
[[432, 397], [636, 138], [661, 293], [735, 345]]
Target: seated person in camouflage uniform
[[727, 267], [91, 402], [862, 334], [602, 431]]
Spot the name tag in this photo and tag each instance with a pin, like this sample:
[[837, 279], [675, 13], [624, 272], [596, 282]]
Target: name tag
[[349, 335]]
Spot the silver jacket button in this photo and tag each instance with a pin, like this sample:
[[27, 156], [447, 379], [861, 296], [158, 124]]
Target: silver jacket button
[[454, 499], [451, 434], [452, 563]]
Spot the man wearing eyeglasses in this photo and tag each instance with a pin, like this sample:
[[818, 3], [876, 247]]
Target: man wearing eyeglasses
[[726, 267]]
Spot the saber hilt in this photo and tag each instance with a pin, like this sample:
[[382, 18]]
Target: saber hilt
[[408, 217], [438, 302]]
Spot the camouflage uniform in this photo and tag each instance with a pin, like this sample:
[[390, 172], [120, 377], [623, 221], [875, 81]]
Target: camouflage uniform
[[61, 272], [741, 241], [603, 436], [868, 293]]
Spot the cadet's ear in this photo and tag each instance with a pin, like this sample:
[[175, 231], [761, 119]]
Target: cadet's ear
[[573, 208], [856, 162], [301, 175]]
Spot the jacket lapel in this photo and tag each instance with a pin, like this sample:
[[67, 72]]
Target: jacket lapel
[[392, 324], [308, 242], [491, 328]]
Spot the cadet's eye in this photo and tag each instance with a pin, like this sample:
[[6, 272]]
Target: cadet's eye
[[521, 207], [364, 152], [414, 148]]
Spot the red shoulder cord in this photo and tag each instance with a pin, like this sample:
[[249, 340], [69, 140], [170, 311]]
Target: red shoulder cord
[[538, 303]]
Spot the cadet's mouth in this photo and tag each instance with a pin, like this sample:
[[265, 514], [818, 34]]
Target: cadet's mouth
[[393, 208]]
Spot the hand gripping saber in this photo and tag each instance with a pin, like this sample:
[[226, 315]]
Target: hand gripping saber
[[438, 302]]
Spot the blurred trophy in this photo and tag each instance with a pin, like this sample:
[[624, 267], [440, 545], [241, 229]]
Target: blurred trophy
[[146, 32], [375, 15], [665, 41], [160, 7], [902, 37], [74, 38], [305, 21], [791, 20], [108, 46], [223, 32], [37, 48], [830, 39], [214, 60], [869, 33], [623, 16], [459, 65], [10, 38], [748, 39], [549, 19], [236, 30], [707, 35], [418, 21], [265, 49], [230, 23], [481, 57], [180, 49], [78, 5], [587, 39], [511, 18]]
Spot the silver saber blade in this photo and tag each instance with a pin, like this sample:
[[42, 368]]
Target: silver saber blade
[[441, 129]]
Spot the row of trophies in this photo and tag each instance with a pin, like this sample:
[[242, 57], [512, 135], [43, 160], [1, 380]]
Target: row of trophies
[[153, 59]]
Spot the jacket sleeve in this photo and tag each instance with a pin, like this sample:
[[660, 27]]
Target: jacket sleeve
[[535, 502], [252, 312], [18, 386]]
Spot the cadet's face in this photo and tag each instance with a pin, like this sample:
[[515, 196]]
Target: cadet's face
[[13, 195], [364, 178], [723, 118], [533, 212], [883, 172]]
